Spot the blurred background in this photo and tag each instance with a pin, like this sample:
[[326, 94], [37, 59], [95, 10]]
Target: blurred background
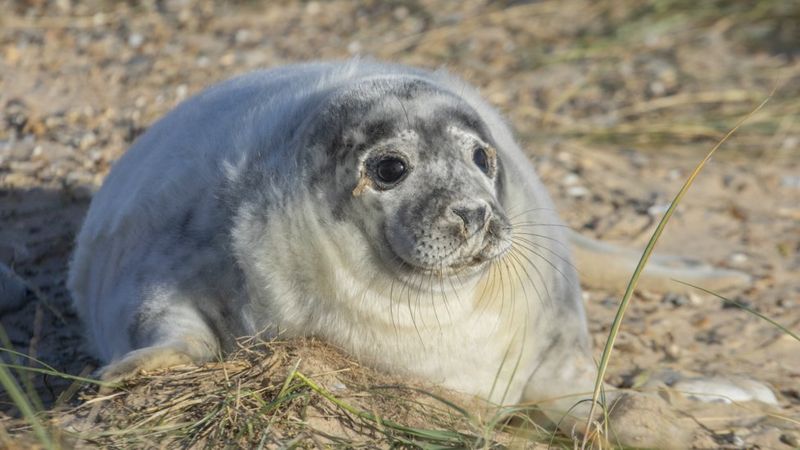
[[614, 101]]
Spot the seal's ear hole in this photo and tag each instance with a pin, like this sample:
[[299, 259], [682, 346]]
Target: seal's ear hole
[[481, 159]]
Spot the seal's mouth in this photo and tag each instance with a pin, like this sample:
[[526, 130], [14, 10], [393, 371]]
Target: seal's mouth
[[453, 264]]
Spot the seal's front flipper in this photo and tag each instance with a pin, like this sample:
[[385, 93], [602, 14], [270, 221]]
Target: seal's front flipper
[[608, 267], [164, 337], [145, 359]]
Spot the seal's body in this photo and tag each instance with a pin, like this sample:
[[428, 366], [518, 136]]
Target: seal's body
[[382, 208]]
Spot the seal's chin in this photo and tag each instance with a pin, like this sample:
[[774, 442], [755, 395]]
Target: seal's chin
[[461, 266]]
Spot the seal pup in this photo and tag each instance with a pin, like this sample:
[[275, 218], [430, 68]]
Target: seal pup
[[382, 208]]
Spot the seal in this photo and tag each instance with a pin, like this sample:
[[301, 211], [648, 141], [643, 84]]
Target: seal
[[382, 208]]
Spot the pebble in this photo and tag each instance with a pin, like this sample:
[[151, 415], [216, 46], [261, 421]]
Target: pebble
[[791, 181], [658, 210], [242, 36], [354, 47], [571, 179], [673, 351], [738, 258], [18, 180], [695, 298], [790, 440], [731, 439], [181, 91], [739, 301], [564, 157], [675, 299], [337, 386], [313, 8], [610, 302], [135, 40], [577, 191], [674, 175], [87, 140], [227, 59]]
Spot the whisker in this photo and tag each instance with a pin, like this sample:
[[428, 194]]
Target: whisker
[[489, 282], [514, 263], [534, 252], [564, 259], [513, 216], [542, 236], [528, 275], [538, 224], [538, 273]]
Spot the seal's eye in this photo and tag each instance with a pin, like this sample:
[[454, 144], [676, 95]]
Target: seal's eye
[[481, 159], [390, 169]]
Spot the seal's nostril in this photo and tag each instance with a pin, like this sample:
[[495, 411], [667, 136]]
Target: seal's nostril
[[474, 217]]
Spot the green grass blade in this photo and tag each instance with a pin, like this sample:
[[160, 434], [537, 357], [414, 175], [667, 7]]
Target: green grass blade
[[56, 373], [744, 307], [615, 326], [21, 402]]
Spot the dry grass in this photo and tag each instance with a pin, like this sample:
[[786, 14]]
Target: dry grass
[[277, 394]]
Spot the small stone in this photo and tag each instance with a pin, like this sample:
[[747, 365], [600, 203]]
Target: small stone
[[738, 258], [658, 210], [337, 386], [673, 351], [674, 175], [790, 181], [676, 300], [571, 179], [181, 91], [564, 157], [610, 302], [729, 438], [99, 19], [400, 13], [657, 88], [790, 440], [738, 303], [87, 140], [354, 47], [12, 55], [313, 8], [227, 59], [242, 36], [135, 40], [577, 191]]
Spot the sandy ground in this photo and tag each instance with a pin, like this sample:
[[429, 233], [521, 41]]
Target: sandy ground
[[614, 121]]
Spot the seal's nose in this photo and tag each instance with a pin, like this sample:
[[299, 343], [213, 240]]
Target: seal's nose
[[474, 215]]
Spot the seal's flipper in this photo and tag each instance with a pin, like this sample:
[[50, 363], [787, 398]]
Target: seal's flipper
[[145, 359], [608, 267]]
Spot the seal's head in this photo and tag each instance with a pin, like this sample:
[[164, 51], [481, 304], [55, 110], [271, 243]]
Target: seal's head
[[419, 169]]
